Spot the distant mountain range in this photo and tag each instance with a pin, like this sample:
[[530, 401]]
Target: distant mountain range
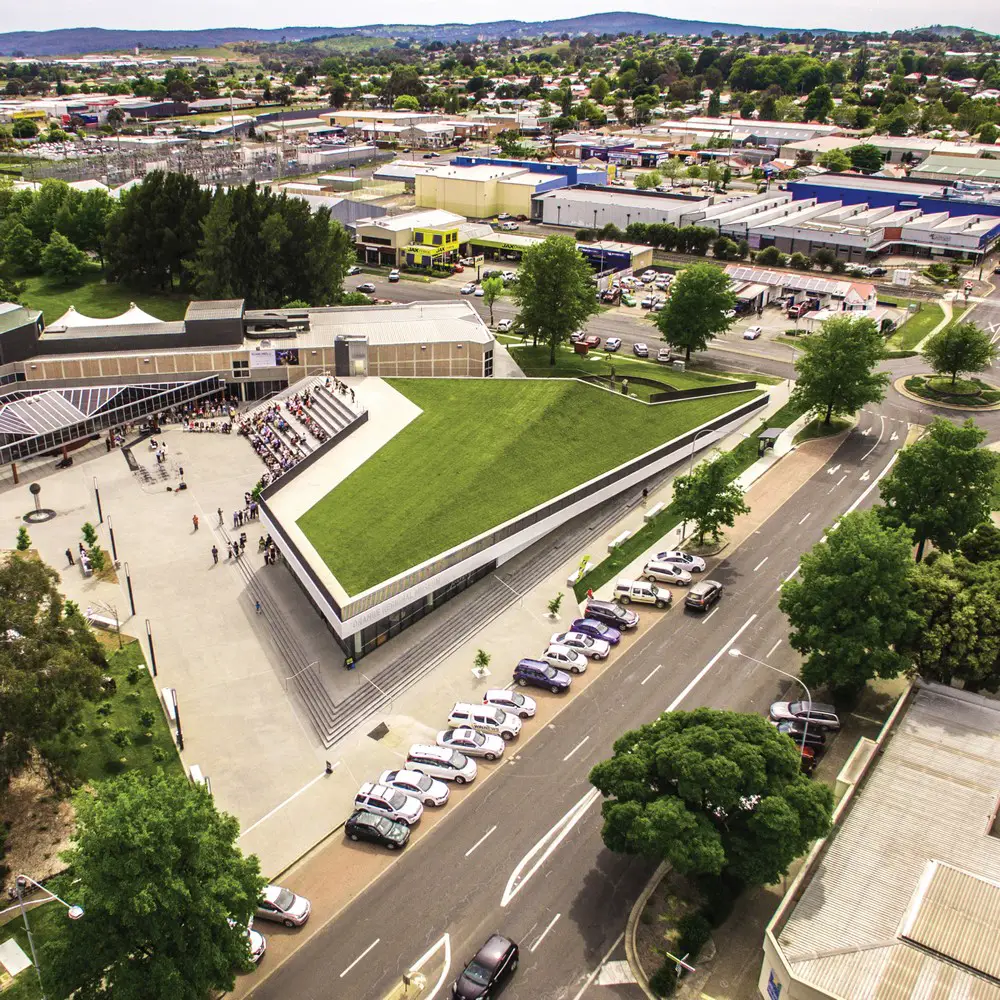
[[78, 41]]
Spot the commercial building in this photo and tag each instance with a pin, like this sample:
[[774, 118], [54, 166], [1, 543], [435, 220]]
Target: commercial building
[[19, 331], [591, 207], [977, 170], [384, 240], [902, 899], [755, 287], [894, 149], [373, 121]]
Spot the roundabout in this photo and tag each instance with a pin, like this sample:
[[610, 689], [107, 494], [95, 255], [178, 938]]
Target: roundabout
[[970, 395]]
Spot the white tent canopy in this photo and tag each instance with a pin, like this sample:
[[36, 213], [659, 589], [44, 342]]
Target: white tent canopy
[[71, 319]]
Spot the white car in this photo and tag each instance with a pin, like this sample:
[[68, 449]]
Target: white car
[[650, 275], [502, 216], [693, 564], [510, 276], [508, 227], [511, 701], [389, 802], [283, 906], [354, 269], [468, 741], [394, 274], [425, 789], [479, 292], [752, 332], [439, 762], [612, 344], [665, 572], [505, 326], [564, 658], [593, 649], [640, 350], [257, 943], [468, 288]]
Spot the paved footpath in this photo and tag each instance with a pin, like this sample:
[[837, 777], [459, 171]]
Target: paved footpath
[[336, 872]]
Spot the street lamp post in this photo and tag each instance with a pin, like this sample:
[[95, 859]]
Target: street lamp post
[[784, 673], [74, 913], [694, 444]]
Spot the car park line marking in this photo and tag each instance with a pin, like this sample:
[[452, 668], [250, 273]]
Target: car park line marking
[[772, 649], [580, 744], [709, 615], [600, 965], [361, 956], [481, 839], [546, 931], [650, 674], [294, 795], [711, 663], [806, 518], [546, 846], [764, 560]]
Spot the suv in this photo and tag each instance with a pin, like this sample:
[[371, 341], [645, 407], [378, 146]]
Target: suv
[[439, 762], [818, 714], [666, 572], [703, 594], [540, 674], [611, 613], [394, 274], [642, 591], [486, 974], [485, 719], [377, 829], [389, 802]]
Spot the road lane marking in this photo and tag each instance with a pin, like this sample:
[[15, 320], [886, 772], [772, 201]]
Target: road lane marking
[[443, 942], [361, 956], [600, 965], [577, 747], [546, 931], [708, 666], [709, 615], [650, 674], [765, 559], [772, 649], [839, 481], [481, 839], [790, 575], [861, 499], [806, 518], [546, 846]]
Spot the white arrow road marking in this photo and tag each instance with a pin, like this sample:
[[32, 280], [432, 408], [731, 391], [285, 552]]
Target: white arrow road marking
[[865, 476], [881, 431], [894, 436], [833, 471], [866, 432], [546, 846]]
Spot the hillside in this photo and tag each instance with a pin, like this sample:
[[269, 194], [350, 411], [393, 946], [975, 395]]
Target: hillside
[[78, 41]]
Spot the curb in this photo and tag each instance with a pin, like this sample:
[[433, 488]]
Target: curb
[[899, 386], [641, 979]]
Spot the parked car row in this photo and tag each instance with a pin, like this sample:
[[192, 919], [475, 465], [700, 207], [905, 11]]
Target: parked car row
[[807, 724]]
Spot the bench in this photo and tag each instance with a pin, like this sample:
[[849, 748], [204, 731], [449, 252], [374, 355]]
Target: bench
[[578, 574], [167, 696], [194, 771], [653, 511], [615, 542], [101, 621]]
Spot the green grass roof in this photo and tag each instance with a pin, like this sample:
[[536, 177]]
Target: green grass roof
[[481, 452]]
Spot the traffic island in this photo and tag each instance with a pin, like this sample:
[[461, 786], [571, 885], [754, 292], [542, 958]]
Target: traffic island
[[971, 394]]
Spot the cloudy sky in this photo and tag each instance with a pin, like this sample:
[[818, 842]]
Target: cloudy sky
[[847, 14]]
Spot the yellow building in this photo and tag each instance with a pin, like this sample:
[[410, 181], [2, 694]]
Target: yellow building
[[480, 191], [431, 245], [387, 240]]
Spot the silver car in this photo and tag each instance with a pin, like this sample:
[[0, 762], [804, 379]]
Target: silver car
[[422, 787], [283, 906], [511, 701], [471, 743], [594, 649]]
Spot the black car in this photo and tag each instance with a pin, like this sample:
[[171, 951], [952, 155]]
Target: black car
[[814, 736], [538, 673], [611, 613], [702, 595], [487, 973], [364, 825]]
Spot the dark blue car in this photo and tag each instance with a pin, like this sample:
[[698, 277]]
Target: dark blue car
[[596, 630], [539, 674]]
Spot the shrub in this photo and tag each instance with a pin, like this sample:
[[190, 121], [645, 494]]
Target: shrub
[[23, 539], [121, 737], [89, 533], [146, 718], [105, 708], [720, 893], [98, 559], [159, 755], [133, 675], [663, 982], [694, 930]]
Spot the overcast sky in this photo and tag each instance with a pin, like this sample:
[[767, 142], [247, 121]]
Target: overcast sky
[[885, 15]]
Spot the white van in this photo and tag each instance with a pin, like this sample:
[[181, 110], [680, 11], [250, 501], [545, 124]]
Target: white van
[[485, 719], [642, 591]]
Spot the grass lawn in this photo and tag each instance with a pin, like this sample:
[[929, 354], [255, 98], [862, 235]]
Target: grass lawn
[[480, 453], [149, 746], [914, 329], [818, 429], [92, 297]]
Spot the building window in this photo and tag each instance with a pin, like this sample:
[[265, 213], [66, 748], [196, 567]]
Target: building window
[[437, 239], [418, 237], [241, 369], [487, 364]]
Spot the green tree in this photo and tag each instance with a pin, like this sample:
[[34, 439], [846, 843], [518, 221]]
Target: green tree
[[713, 174], [835, 160], [554, 292], [836, 368], [819, 104], [647, 180], [21, 248], [671, 168], [711, 792], [866, 158], [699, 308], [849, 606], [493, 289], [47, 673], [943, 485], [982, 544], [406, 102], [23, 539], [166, 891], [89, 533], [959, 349], [771, 257], [61, 260], [709, 497], [989, 133]]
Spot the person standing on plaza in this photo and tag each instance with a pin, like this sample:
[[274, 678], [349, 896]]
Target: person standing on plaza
[[215, 553], [194, 521], [69, 556], [220, 516]]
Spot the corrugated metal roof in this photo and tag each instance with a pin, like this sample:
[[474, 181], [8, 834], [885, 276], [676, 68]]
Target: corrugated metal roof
[[929, 797], [215, 309], [799, 282]]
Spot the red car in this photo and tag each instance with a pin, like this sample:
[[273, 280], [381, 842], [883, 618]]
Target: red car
[[457, 268], [592, 341]]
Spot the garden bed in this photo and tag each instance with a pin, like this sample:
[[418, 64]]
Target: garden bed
[[965, 392]]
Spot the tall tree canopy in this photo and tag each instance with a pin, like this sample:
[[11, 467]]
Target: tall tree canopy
[[836, 368], [166, 892], [698, 309], [711, 792], [554, 292], [960, 349], [942, 486]]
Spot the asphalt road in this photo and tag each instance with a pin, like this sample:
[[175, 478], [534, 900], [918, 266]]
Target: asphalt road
[[528, 860]]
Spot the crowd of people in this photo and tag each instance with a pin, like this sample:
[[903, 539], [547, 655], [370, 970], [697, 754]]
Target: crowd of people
[[299, 406], [278, 453]]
